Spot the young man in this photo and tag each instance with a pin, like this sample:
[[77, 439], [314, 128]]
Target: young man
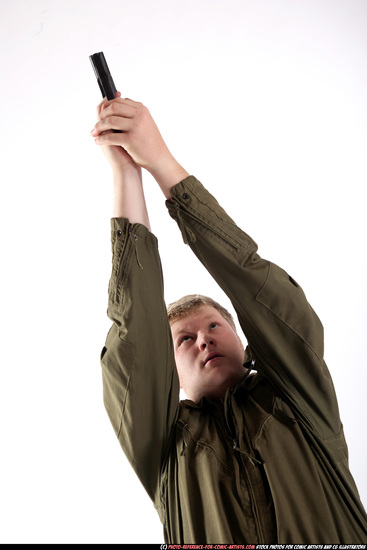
[[248, 458]]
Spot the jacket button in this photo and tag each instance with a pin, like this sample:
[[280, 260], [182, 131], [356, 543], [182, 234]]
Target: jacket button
[[185, 196], [119, 232]]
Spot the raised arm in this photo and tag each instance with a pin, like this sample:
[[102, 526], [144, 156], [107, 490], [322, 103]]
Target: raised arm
[[140, 383]]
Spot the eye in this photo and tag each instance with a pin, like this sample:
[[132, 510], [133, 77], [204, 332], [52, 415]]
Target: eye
[[213, 325], [184, 339]]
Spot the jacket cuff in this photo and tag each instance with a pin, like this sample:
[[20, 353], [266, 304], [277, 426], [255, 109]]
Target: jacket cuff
[[191, 195]]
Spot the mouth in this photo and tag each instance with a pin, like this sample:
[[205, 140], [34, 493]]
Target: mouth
[[211, 358]]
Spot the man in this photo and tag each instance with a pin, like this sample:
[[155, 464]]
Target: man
[[248, 458]]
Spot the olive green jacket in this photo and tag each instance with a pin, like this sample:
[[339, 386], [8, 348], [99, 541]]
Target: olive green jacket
[[270, 463]]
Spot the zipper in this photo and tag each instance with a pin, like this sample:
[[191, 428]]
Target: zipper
[[252, 459], [135, 238], [249, 458], [123, 245], [117, 272], [253, 499]]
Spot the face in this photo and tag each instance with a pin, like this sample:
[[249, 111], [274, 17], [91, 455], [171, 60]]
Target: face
[[209, 354]]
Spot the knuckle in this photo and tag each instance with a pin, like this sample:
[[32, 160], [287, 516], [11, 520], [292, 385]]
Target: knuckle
[[106, 138], [110, 121], [113, 108], [144, 113]]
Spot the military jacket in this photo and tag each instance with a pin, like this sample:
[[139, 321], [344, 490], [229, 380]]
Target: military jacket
[[268, 464]]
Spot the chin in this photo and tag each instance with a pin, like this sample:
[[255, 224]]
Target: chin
[[221, 385]]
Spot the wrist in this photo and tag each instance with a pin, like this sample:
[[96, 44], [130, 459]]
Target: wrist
[[128, 195], [167, 173], [128, 172]]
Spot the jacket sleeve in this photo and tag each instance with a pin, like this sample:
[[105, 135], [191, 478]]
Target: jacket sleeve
[[283, 332], [140, 383]]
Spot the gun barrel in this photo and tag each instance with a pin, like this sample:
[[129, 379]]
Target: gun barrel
[[102, 72]]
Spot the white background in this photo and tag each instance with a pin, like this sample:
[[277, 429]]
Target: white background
[[265, 102]]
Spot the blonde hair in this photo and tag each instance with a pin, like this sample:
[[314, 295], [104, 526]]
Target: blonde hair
[[192, 302]]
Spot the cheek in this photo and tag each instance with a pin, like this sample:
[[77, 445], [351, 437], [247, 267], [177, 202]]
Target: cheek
[[180, 363], [184, 364], [238, 349], [181, 371]]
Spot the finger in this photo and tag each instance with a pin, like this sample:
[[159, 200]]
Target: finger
[[111, 138], [117, 99], [113, 123], [100, 105], [124, 101], [116, 107], [136, 104], [106, 102]]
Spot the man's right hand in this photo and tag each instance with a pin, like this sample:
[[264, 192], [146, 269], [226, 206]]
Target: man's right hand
[[139, 136], [115, 154]]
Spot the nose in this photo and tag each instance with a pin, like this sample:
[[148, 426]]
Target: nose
[[206, 340]]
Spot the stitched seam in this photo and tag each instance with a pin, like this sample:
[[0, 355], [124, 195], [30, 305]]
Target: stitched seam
[[230, 238], [204, 445]]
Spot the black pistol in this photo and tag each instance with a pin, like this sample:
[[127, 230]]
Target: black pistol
[[104, 78]]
